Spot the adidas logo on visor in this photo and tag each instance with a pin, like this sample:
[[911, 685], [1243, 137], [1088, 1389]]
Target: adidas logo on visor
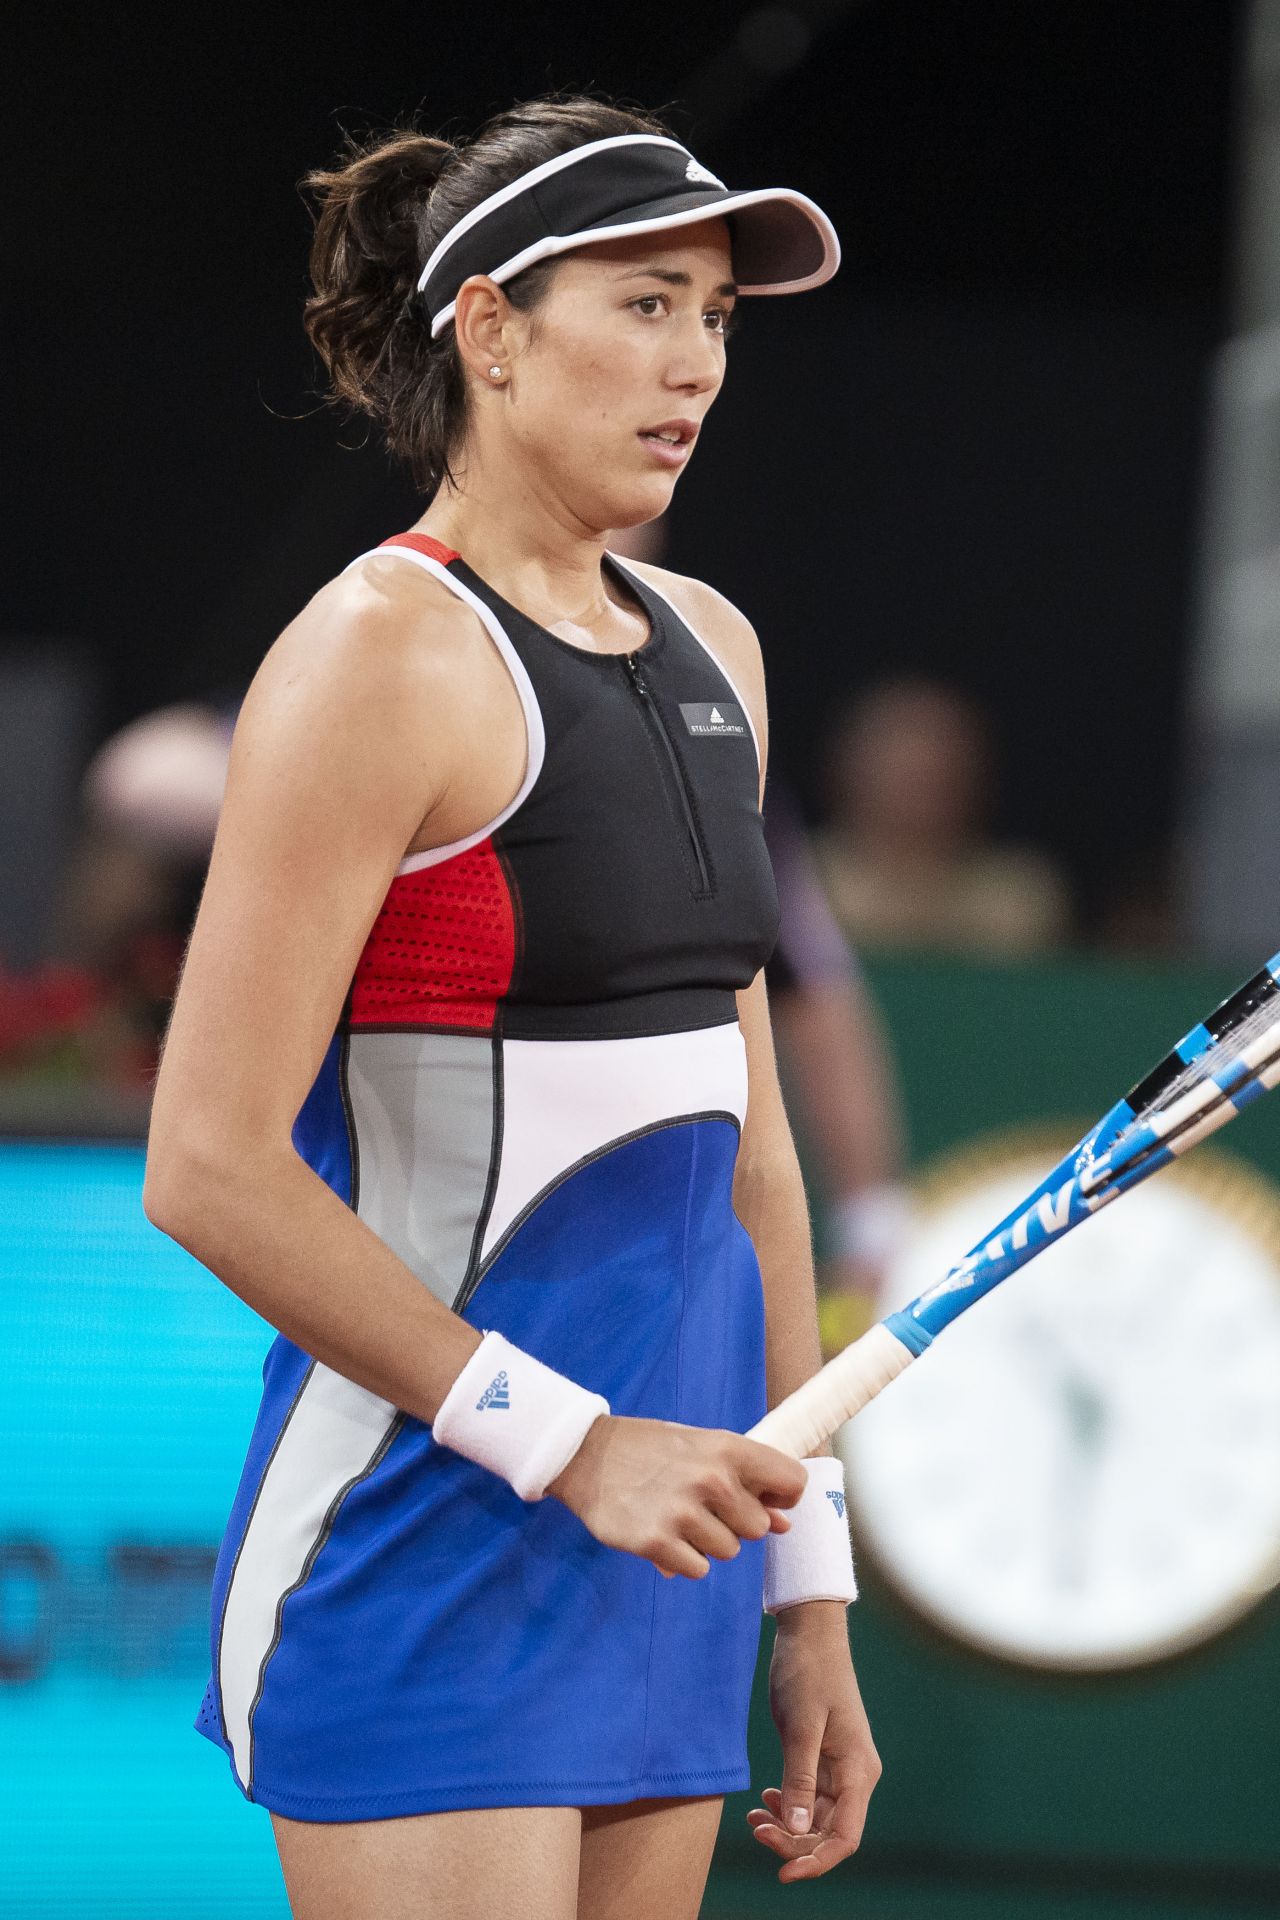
[[496, 1394], [703, 175]]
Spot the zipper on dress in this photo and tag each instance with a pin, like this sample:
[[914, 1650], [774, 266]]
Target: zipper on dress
[[649, 707]]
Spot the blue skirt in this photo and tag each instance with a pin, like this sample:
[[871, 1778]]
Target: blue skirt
[[394, 1631]]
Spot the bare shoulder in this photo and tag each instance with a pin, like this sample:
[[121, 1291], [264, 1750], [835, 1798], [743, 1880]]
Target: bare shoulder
[[380, 631], [715, 618], [384, 667]]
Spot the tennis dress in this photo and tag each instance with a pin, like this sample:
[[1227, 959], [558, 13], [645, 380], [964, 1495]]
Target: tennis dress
[[534, 1096]]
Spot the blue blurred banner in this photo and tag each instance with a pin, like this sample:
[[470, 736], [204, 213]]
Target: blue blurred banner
[[131, 1383]]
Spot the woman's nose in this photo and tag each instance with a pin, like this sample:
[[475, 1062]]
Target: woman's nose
[[700, 364]]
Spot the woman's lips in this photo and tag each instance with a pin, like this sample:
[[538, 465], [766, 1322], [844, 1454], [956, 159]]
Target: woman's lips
[[671, 453]]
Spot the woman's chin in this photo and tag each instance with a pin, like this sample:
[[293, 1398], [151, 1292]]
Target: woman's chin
[[638, 505]]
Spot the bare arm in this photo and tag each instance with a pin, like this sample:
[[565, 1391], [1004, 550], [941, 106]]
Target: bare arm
[[836, 1064], [345, 745], [769, 1199], [839, 1077]]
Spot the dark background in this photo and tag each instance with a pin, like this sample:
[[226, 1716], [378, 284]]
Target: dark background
[[977, 452]]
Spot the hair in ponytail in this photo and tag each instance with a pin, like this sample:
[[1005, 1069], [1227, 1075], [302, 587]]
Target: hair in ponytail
[[380, 212]]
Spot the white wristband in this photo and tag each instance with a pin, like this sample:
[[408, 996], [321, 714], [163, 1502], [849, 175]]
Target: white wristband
[[521, 1419], [814, 1559]]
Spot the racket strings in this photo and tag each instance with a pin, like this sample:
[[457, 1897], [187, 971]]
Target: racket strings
[[1234, 1043], [1204, 1093]]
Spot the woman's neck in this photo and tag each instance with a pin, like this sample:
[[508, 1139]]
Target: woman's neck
[[531, 550]]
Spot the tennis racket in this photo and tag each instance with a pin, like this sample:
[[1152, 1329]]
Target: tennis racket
[[1214, 1072]]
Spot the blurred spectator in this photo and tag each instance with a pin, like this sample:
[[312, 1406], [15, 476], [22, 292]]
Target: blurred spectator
[[149, 804], [157, 784], [1134, 910], [905, 855]]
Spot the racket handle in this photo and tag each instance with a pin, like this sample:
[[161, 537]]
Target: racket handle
[[807, 1418]]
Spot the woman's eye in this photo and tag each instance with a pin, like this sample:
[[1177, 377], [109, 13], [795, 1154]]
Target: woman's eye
[[650, 303]]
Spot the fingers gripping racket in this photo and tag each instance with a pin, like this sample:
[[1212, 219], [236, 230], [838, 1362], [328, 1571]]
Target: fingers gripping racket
[[1210, 1076]]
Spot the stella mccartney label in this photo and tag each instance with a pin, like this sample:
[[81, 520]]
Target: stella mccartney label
[[713, 717]]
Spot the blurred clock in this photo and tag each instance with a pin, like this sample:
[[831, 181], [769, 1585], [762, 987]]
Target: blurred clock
[[1085, 1471]]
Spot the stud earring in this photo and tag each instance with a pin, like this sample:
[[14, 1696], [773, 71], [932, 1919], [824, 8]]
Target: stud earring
[[495, 373]]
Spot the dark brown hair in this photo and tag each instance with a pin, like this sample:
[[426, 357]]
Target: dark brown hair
[[379, 213]]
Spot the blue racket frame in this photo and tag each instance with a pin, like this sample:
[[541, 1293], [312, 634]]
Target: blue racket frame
[[1116, 1154]]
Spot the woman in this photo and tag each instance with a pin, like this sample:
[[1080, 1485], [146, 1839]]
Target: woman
[[455, 1091]]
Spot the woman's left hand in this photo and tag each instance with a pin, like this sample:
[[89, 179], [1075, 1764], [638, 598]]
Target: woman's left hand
[[829, 1762]]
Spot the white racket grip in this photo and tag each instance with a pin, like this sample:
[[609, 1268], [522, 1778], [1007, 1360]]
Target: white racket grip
[[807, 1418]]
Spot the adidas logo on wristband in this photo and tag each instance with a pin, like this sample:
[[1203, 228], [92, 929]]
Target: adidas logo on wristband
[[813, 1559], [496, 1394], [546, 1416]]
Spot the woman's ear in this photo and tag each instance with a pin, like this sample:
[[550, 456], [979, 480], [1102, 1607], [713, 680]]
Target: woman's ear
[[482, 321]]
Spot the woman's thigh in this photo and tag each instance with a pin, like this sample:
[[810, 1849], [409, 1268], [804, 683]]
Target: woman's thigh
[[647, 1858], [469, 1865]]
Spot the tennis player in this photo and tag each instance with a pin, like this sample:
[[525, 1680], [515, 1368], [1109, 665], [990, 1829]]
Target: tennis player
[[469, 1088]]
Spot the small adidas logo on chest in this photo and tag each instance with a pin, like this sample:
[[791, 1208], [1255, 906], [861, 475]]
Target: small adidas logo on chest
[[713, 718], [496, 1395]]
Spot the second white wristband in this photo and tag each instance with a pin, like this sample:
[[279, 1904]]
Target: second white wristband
[[813, 1560], [521, 1419]]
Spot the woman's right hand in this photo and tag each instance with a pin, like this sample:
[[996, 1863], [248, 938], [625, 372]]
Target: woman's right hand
[[679, 1496]]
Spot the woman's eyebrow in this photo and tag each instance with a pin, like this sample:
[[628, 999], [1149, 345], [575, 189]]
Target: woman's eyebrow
[[728, 288]]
